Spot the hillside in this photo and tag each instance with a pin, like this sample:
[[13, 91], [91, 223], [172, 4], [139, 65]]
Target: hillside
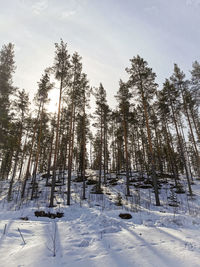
[[91, 233]]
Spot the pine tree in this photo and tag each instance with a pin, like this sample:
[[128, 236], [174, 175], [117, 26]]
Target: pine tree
[[7, 68], [178, 80], [164, 113], [194, 101], [173, 97], [74, 93], [84, 103], [101, 112], [41, 99], [21, 107], [44, 86], [61, 69], [142, 80], [123, 97]]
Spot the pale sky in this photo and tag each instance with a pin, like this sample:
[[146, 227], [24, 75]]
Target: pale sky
[[106, 33]]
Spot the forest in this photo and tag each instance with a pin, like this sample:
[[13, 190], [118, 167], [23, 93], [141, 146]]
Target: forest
[[153, 131]]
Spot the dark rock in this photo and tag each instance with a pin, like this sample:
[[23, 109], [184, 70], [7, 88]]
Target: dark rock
[[125, 216], [24, 218], [49, 214]]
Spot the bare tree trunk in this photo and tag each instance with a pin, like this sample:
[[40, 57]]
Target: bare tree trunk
[[104, 151], [181, 150], [56, 148], [192, 134], [37, 155], [16, 162], [126, 155], [71, 147], [23, 155], [151, 151], [30, 155], [170, 153], [195, 124], [84, 150], [50, 157], [186, 150], [100, 156]]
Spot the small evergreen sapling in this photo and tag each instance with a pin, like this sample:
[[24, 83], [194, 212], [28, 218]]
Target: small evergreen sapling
[[173, 202], [118, 200]]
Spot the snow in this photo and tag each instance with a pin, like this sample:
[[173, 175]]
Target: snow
[[91, 233], [91, 237]]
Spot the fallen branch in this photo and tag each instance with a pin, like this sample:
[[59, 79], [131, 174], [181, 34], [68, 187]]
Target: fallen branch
[[22, 236], [4, 231]]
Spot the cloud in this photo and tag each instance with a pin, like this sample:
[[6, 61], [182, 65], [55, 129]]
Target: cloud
[[195, 3], [66, 14], [39, 6], [152, 9]]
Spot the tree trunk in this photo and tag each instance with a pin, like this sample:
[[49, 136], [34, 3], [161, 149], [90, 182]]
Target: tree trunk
[[126, 155], [84, 151], [151, 150], [30, 155], [51, 204], [100, 155], [16, 161], [37, 155], [181, 149], [191, 131], [71, 147]]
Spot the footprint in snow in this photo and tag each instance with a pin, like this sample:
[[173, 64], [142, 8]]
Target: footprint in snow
[[118, 249], [78, 259], [84, 243], [75, 240], [27, 231], [92, 256], [86, 233], [154, 244]]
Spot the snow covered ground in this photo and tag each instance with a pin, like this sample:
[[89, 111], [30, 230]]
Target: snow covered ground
[[91, 233], [92, 237]]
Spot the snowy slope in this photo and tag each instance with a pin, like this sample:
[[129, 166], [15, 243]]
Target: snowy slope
[[91, 237], [91, 233]]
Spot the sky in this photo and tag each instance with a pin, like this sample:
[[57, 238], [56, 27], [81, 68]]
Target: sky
[[106, 33]]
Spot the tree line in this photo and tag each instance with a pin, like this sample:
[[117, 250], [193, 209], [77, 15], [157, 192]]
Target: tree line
[[152, 130]]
